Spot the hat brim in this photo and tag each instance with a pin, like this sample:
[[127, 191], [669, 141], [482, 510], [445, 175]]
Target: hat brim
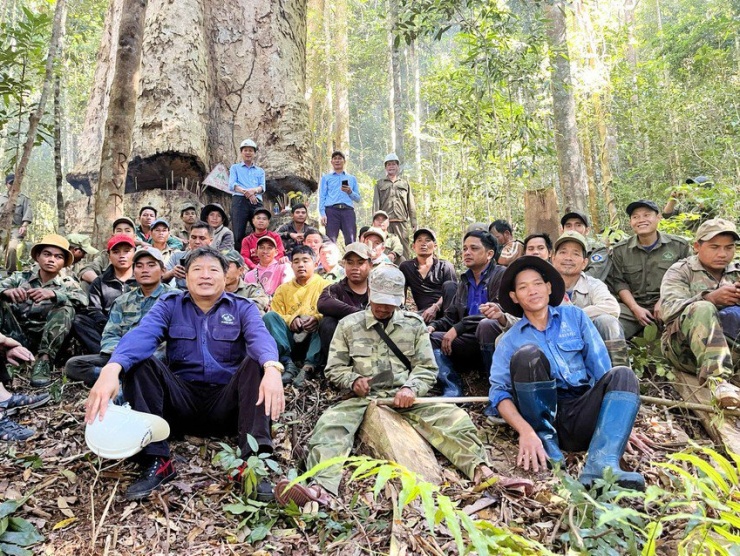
[[90, 250], [420, 231], [206, 210], [70, 258], [124, 432], [712, 235], [570, 215], [632, 207], [386, 299], [507, 283]]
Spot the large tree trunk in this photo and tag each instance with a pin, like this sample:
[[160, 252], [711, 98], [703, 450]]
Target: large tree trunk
[[570, 160], [58, 177], [339, 73], [212, 74], [394, 88], [119, 124], [56, 37], [417, 112]]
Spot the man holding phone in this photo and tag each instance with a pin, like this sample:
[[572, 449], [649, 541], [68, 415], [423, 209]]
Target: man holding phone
[[338, 191]]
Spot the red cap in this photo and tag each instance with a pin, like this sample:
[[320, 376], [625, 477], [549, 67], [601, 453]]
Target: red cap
[[120, 238]]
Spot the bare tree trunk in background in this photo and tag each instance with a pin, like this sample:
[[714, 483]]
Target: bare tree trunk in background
[[418, 171], [119, 125], [588, 160], [316, 73], [541, 213], [394, 91], [675, 160], [59, 177], [57, 32], [339, 73], [570, 160]]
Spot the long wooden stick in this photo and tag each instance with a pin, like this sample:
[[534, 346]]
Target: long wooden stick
[[646, 399]]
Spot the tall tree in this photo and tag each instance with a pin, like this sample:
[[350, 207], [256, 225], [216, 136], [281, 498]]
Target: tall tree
[[339, 72], [59, 178], [571, 168], [395, 99], [119, 125]]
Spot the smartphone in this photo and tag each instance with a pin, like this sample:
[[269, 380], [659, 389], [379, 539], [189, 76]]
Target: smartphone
[[345, 183]]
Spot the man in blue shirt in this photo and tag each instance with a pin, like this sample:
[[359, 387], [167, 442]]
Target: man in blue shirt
[[247, 184], [552, 380], [338, 191], [222, 378]]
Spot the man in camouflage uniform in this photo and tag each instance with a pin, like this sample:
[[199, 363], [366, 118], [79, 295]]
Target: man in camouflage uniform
[[82, 250], [638, 266], [124, 315], [393, 196], [357, 354], [189, 216], [37, 307], [237, 286], [700, 304], [596, 252], [22, 217]]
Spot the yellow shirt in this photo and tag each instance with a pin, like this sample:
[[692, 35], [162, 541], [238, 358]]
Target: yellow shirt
[[292, 300]]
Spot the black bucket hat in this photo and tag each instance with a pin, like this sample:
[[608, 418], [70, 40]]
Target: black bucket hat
[[208, 209], [540, 265]]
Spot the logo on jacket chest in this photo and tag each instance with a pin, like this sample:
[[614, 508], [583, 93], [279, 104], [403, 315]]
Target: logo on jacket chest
[[227, 318]]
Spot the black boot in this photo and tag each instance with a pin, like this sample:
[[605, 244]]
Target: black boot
[[156, 472], [537, 403]]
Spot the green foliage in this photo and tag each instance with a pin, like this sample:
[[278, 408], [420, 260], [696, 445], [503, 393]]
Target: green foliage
[[647, 356], [16, 533]]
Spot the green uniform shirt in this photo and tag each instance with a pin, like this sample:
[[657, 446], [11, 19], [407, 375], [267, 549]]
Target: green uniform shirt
[[66, 289], [255, 293], [640, 271], [393, 245], [686, 282], [396, 199], [22, 213], [358, 351]]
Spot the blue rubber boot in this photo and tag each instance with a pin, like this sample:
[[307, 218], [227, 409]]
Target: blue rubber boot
[[447, 378], [537, 403], [617, 415]]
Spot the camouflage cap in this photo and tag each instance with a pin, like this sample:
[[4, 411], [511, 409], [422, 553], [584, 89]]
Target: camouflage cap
[[233, 256], [359, 249], [152, 252], [188, 206], [373, 231], [387, 285], [571, 236], [714, 227], [81, 241]]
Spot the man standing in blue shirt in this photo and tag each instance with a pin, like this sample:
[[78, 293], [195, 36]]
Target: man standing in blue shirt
[[247, 184], [552, 381], [338, 191], [222, 375]]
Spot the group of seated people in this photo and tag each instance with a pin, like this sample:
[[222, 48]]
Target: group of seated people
[[208, 337]]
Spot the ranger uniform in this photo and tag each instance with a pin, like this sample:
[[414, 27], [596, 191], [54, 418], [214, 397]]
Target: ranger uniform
[[395, 198], [22, 216]]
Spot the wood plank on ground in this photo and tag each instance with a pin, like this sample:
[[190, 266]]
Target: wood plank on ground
[[387, 435], [727, 433]]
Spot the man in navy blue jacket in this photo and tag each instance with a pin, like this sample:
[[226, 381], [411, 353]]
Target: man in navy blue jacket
[[222, 377]]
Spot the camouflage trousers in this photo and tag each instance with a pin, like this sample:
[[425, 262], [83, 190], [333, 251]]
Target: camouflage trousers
[[446, 427], [611, 332], [40, 336], [695, 343]]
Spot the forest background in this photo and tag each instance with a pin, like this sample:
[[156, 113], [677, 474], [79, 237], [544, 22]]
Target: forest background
[[460, 90]]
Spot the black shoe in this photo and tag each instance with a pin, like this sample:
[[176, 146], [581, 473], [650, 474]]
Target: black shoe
[[290, 372], [41, 373], [154, 474]]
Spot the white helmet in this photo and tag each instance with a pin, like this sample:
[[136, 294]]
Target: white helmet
[[248, 143], [124, 432], [391, 158]]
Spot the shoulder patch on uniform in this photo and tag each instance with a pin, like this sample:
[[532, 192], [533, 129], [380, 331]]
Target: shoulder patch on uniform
[[597, 258], [415, 315]]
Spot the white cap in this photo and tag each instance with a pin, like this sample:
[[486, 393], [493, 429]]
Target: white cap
[[391, 158], [248, 143], [124, 432]]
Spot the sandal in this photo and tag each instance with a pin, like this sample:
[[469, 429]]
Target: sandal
[[23, 401], [299, 494], [10, 430]]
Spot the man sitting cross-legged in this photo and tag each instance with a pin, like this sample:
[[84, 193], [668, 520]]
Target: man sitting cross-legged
[[552, 381], [295, 317], [700, 304], [358, 354], [37, 307], [346, 297], [115, 280], [221, 378], [126, 312]]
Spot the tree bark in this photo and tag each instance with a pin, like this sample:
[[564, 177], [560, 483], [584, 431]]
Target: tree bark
[[59, 178], [417, 112], [570, 159], [119, 124], [57, 32], [541, 213], [394, 89], [339, 73]]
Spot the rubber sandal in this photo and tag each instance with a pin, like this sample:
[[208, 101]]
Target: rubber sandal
[[299, 494], [23, 401], [10, 430]]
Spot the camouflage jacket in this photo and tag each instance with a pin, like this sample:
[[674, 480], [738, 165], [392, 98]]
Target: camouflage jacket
[[126, 313], [66, 289], [686, 282], [358, 351], [22, 213], [255, 293]]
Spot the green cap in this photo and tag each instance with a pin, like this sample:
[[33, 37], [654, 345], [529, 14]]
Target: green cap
[[571, 236], [233, 256], [81, 241]]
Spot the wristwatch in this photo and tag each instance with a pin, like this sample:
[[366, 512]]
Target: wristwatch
[[275, 364]]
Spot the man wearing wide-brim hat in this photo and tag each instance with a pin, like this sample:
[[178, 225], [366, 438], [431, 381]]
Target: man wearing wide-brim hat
[[700, 304], [37, 307], [552, 381]]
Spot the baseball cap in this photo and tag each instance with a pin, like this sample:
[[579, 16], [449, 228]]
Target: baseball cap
[[152, 252], [477, 227], [120, 238], [380, 213], [372, 230], [81, 241], [338, 153], [574, 214], [125, 219], [429, 231], [714, 227], [124, 432], [233, 256], [159, 221], [267, 238], [641, 203], [540, 265], [387, 285], [359, 249], [699, 180], [262, 210], [10, 178], [570, 236], [187, 206]]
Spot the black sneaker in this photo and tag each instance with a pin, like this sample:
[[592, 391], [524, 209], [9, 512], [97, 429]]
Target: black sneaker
[[154, 474]]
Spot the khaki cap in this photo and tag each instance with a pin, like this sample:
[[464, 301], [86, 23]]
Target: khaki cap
[[380, 213], [714, 227], [187, 206], [570, 236], [149, 251], [359, 249], [373, 231], [387, 285], [233, 256], [54, 240], [81, 241]]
